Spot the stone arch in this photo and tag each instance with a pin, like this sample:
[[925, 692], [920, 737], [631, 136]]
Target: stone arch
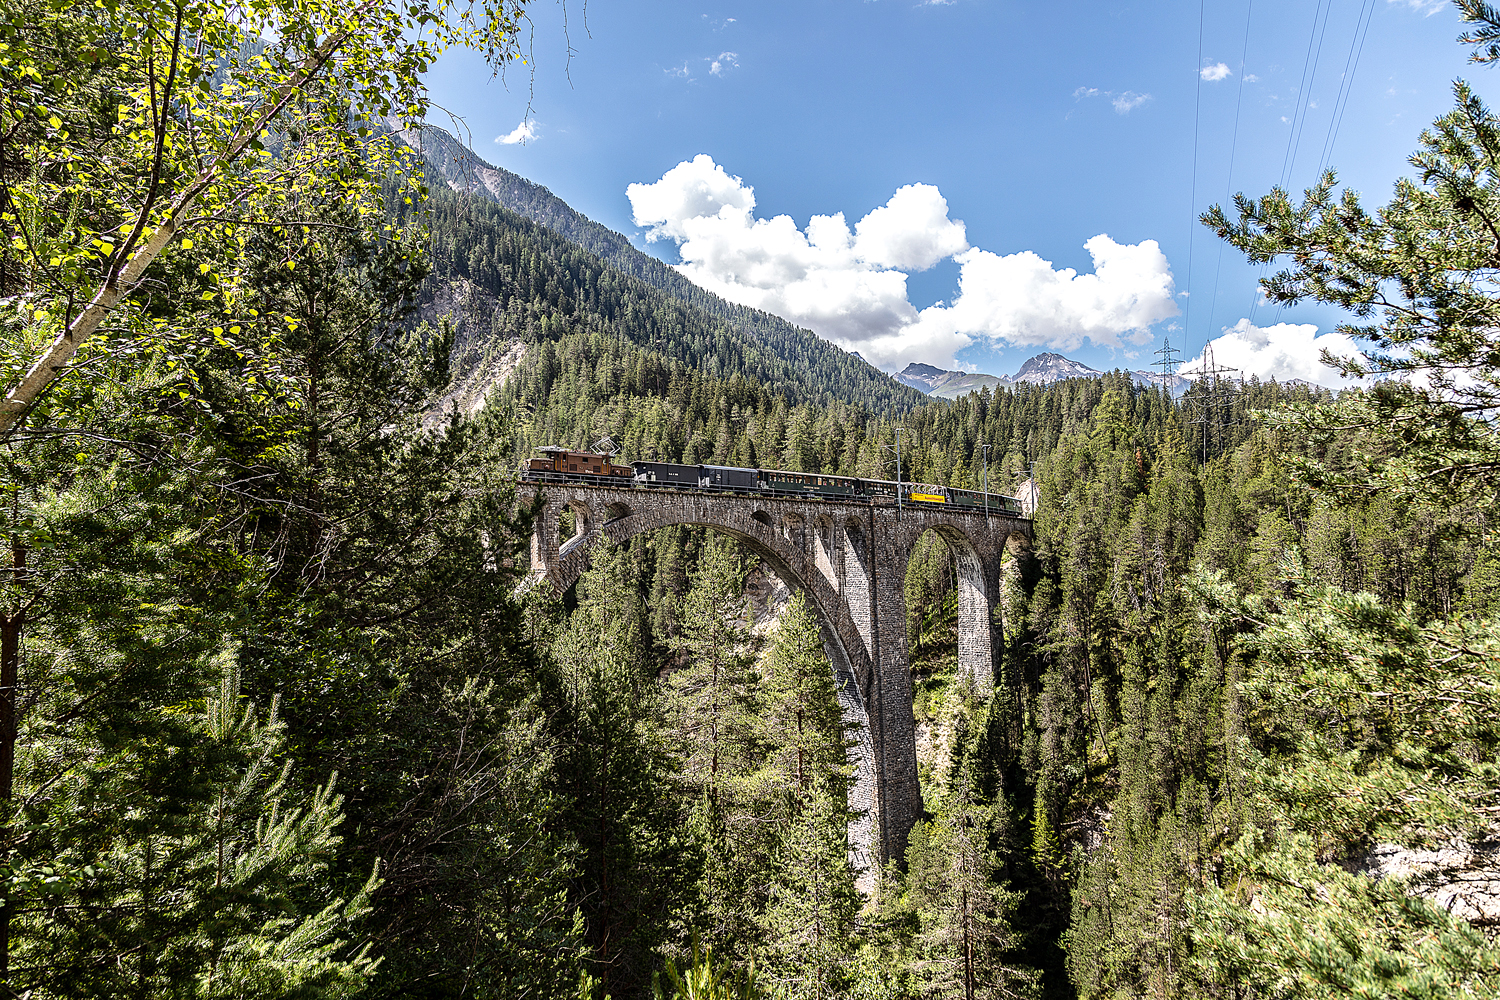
[[976, 602], [855, 577], [583, 524], [867, 850], [793, 529], [852, 565], [825, 551], [548, 544]]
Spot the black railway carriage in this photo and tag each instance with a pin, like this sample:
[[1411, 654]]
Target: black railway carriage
[[703, 477], [726, 477], [666, 474], [779, 481]]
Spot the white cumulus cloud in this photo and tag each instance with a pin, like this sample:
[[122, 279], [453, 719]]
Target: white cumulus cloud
[[726, 61], [1283, 351], [692, 190], [1129, 101], [523, 132], [1425, 7], [911, 232], [1123, 102], [1022, 299], [1217, 71], [849, 285]]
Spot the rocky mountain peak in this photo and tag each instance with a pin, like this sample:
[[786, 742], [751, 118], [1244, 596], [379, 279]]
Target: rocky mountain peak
[[1047, 367], [925, 378]]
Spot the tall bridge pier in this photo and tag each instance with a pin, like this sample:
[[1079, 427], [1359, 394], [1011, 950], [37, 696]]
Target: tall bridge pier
[[850, 558]]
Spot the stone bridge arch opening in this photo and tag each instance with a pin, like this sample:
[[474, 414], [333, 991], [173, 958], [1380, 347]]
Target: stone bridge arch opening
[[573, 523], [823, 548], [765, 536], [966, 576]]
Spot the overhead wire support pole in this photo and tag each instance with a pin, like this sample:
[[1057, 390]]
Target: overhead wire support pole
[[984, 450], [898, 473], [897, 450], [1215, 390]]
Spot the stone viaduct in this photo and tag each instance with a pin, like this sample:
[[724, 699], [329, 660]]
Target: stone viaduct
[[850, 558]]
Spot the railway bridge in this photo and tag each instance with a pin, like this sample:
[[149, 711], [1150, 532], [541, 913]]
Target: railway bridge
[[850, 558]]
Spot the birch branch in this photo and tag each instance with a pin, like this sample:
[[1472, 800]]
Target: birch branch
[[119, 283]]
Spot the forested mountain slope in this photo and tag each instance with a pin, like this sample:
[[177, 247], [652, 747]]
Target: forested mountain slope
[[641, 298]]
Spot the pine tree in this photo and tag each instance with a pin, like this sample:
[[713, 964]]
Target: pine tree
[[713, 692], [636, 866], [801, 709], [964, 908], [1341, 736], [711, 712], [228, 894], [809, 917]]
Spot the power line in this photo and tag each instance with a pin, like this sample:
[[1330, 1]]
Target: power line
[[1301, 90], [1304, 85], [1305, 103], [1213, 302], [1346, 86], [1187, 320]]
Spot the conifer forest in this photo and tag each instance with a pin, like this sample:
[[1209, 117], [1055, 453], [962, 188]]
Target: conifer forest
[[278, 720]]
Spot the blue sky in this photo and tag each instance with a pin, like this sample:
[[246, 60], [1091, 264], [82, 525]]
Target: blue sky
[[1040, 126]]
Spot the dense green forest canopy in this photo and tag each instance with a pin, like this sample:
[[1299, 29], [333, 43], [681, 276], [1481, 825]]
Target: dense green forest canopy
[[275, 722], [514, 281], [839, 375]]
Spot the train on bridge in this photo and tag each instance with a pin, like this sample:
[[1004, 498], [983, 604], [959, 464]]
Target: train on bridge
[[563, 465]]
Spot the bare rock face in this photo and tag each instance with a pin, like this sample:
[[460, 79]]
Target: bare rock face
[[479, 362], [1463, 878], [768, 595], [923, 378]]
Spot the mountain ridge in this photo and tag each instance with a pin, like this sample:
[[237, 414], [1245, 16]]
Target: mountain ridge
[[465, 172], [1045, 368]]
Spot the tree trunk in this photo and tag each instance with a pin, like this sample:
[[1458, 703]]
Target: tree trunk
[[10, 661]]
